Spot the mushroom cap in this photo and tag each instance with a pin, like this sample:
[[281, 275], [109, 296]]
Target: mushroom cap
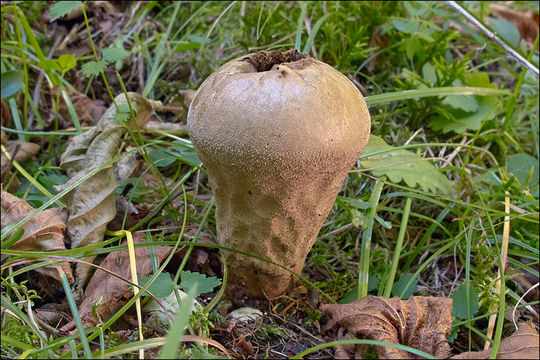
[[293, 110]]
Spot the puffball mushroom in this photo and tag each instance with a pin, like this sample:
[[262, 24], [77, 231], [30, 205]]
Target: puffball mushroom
[[277, 132]]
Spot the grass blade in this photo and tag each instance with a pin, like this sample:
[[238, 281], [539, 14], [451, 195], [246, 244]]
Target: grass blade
[[363, 265], [314, 31], [438, 91], [300, 26], [176, 331]]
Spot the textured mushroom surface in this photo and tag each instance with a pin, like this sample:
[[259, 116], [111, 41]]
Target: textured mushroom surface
[[277, 133]]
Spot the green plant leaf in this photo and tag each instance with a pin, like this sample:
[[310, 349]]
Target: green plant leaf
[[399, 286], [113, 54], [204, 284], [62, 8], [521, 165], [93, 68], [12, 81], [50, 64], [460, 302], [404, 165], [161, 158], [67, 62], [161, 287], [506, 30]]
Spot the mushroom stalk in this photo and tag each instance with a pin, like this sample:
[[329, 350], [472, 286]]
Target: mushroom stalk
[[278, 133]]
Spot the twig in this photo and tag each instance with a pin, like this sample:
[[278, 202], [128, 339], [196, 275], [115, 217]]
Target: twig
[[491, 35]]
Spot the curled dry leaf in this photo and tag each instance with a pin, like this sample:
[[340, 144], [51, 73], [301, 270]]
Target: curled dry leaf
[[423, 323], [522, 344], [91, 205], [44, 232], [18, 151], [115, 292]]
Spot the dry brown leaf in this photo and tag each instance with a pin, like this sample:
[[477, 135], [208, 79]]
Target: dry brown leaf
[[18, 151], [115, 292], [88, 111], [526, 22], [91, 205], [522, 344], [44, 232], [420, 322]]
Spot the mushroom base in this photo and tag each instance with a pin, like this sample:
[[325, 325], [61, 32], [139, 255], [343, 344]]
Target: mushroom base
[[276, 217]]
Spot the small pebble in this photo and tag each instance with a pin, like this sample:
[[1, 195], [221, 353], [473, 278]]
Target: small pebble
[[245, 314]]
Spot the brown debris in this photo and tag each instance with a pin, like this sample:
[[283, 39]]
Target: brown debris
[[522, 344], [423, 323], [115, 291]]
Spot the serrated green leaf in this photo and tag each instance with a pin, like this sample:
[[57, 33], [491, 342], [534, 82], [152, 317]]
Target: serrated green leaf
[[93, 68], [204, 284], [113, 54], [460, 302], [12, 81], [62, 8], [402, 165], [161, 287]]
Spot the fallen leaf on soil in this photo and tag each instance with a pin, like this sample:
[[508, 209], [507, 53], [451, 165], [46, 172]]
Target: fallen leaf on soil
[[525, 21], [88, 111], [420, 322], [18, 151], [91, 205], [522, 344], [115, 292], [44, 232]]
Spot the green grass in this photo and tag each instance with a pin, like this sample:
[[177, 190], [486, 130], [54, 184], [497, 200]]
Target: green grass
[[419, 76]]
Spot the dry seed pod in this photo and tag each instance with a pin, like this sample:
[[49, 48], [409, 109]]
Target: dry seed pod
[[277, 133]]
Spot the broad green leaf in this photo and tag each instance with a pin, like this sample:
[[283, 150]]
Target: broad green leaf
[[161, 287], [408, 27], [521, 165], [506, 30], [204, 284], [93, 68], [113, 54], [428, 73], [404, 165], [466, 103], [399, 286], [416, 8], [464, 120], [161, 158], [460, 302], [12, 81], [67, 62], [62, 8], [50, 64]]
